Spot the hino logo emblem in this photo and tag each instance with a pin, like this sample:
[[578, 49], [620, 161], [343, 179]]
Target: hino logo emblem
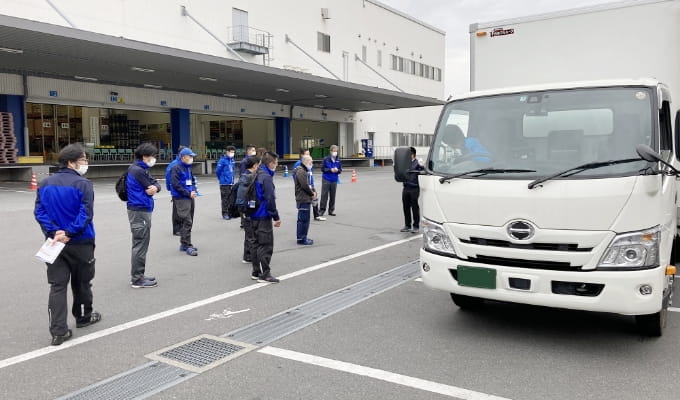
[[520, 230]]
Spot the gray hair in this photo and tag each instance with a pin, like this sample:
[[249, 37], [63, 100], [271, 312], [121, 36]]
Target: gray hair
[[334, 147], [306, 159]]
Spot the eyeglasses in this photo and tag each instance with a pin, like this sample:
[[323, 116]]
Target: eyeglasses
[[85, 160]]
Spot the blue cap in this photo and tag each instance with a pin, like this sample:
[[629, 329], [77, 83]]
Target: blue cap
[[187, 152]]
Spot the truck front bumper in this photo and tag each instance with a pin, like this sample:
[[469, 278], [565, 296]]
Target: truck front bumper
[[620, 291]]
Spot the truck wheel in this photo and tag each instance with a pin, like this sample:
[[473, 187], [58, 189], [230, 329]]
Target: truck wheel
[[467, 302], [652, 324]]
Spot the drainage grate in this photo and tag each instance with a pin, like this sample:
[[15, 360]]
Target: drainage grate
[[277, 326], [204, 352], [138, 383], [201, 353]]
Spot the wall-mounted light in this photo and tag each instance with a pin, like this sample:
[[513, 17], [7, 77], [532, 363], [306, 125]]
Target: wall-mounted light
[[148, 85], [270, 100], [86, 78], [320, 96], [282, 90], [205, 78], [318, 106], [229, 95], [139, 69]]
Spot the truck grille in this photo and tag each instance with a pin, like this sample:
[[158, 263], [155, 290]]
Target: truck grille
[[526, 246], [516, 262]]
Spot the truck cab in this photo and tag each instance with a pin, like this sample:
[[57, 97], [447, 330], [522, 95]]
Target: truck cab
[[558, 195]]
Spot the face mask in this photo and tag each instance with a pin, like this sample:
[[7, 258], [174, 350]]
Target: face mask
[[151, 162], [252, 153], [309, 166], [230, 155], [334, 154], [190, 161], [82, 169]]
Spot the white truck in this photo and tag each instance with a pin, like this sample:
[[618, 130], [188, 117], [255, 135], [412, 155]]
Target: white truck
[[559, 194]]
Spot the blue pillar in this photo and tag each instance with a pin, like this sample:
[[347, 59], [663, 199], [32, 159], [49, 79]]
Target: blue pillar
[[282, 136], [15, 105], [179, 125]]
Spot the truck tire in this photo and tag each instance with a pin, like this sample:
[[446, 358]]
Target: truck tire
[[467, 302], [652, 324]]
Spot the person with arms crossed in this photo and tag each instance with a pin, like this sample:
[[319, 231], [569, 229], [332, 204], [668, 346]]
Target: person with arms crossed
[[225, 175], [141, 187], [183, 191], [332, 168], [304, 194]]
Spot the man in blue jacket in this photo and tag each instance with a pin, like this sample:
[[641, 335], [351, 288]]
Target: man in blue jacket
[[64, 211], [261, 219], [141, 187], [331, 168], [225, 175], [175, 218], [183, 191]]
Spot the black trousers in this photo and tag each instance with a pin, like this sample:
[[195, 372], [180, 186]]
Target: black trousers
[[328, 190], [176, 223], [264, 245], [227, 198], [409, 199], [248, 240], [76, 262], [185, 212]]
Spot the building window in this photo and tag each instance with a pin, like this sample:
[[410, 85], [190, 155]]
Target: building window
[[379, 58], [394, 62], [363, 53], [400, 64], [323, 42]]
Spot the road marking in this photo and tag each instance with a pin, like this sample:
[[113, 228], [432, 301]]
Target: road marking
[[169, 313], [674, 309], [379, 374]]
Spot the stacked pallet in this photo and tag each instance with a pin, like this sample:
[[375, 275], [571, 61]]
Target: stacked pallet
[[8, 141]]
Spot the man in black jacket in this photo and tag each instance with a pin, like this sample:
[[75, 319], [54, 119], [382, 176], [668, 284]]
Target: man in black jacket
[[64, 209], [304, 194], [409, 197]]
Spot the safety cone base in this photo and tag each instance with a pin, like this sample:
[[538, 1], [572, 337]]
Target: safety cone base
[[354, 175], [34, 182]]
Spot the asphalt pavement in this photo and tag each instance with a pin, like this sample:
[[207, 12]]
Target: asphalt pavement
[[407, 342]]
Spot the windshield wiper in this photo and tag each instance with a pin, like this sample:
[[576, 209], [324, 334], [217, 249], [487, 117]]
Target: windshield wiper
[[484, 171], [581, 168]]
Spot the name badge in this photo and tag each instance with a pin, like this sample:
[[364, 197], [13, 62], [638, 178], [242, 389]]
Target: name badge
[[188, 182]]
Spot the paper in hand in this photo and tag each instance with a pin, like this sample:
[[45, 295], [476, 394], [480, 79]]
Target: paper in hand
[[49, 251]]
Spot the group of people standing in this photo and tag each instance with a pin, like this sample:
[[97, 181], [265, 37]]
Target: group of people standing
[[64, 209]]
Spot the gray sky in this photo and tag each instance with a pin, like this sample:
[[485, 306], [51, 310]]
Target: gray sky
[[455, 16]]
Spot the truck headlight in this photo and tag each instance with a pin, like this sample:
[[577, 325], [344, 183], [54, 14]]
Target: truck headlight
[[436, 239], [633, 250]]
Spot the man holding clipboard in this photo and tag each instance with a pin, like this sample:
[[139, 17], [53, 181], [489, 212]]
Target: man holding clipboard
[[64, 210]]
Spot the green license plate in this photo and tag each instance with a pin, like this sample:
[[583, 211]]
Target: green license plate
[[477, 277]]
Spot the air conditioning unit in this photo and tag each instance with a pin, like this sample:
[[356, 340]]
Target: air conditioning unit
[[325, 14]]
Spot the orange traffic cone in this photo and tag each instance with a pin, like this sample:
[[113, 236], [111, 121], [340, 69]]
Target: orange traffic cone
[[34, 182], [354, 176]]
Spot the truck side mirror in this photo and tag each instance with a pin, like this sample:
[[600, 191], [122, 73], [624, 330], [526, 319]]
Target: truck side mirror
[[648, 154], [402, 163]]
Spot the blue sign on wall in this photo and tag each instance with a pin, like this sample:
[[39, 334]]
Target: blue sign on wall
[[206, 107], [54, 93], [164, 103]]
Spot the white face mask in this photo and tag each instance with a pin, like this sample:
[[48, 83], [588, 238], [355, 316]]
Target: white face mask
[[82, 169], [252, 153], [309, 166], [190, 161], [230, 155], [334, 154], [151, 162]]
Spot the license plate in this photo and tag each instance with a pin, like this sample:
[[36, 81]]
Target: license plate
[[477, 277]]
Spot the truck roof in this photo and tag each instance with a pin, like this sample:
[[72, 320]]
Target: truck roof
[[562, 13], [647, 82]]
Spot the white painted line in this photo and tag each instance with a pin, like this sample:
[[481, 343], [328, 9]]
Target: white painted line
[[174, 311], [674, 309], [382, 375], [418, 279]]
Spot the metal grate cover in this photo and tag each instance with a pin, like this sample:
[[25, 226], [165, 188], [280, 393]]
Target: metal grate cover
[[138, 383], [201, 353]]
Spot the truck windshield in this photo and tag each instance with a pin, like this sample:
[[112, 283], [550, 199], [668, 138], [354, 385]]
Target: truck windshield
[[545, 132]]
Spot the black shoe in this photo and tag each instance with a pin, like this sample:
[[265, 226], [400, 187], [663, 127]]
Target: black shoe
[[331, 214], [94, 318], [177, 234], [143, 283], [306, 242], [267, 279], [59, 339], [405, 229], [254, 276]]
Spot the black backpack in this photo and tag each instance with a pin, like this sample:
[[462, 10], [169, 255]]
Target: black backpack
[[246, 198], [121, 187]]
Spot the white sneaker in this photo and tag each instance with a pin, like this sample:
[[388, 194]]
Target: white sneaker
[[246, 262], [320, 218]]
